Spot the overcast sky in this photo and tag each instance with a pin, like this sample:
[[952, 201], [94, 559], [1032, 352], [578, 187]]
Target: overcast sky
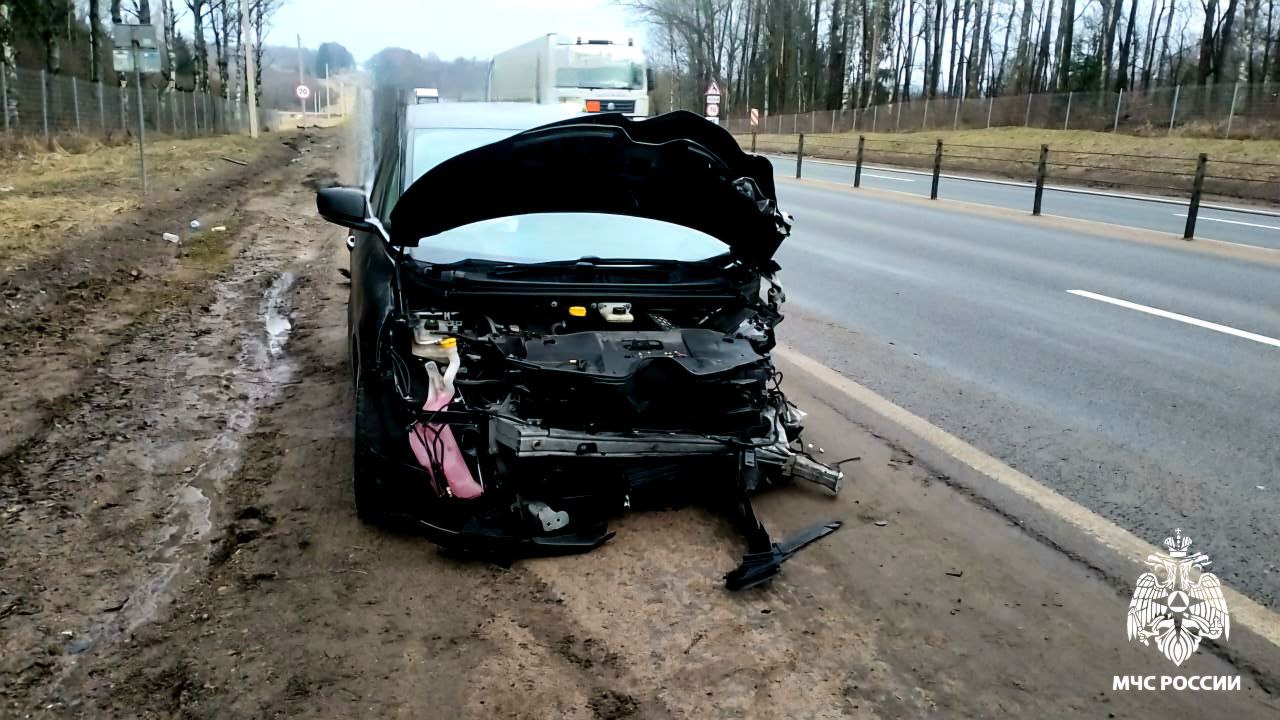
[[449, 28]]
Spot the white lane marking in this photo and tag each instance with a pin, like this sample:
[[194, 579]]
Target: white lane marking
[[1227, 329], [1244, 611], [886, 177], [1233, 222]]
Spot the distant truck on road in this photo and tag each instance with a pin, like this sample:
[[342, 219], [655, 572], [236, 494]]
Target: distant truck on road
[[424, 96], [595, 74]]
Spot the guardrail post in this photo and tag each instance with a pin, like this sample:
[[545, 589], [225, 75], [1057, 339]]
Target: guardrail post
[[753, 142], [857, 169], [1040, 173], [1193, 207], [1174, 112], [799, 155], [937, 170]]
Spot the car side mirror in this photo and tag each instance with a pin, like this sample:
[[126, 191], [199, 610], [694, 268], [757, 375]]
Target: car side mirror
[[344, 206], [650, 78]]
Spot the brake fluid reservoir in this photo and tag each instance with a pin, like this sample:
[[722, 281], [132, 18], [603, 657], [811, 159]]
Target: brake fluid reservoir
[[428, 343], [616, 312]]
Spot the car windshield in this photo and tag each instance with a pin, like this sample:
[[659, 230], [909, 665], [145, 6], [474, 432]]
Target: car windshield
[[432, 146], [547, 237]]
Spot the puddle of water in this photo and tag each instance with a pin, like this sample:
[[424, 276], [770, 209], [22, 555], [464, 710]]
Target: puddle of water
[[274, 316]]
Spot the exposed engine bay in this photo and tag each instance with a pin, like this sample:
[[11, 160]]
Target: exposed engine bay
[[651, 397]]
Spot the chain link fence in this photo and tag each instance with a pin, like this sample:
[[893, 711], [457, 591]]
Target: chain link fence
[[1229, 111], [44, 106]]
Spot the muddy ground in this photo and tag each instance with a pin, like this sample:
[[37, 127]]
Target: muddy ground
[[179, 539]]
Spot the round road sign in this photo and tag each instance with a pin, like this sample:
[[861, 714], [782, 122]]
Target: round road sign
[[713, 110], [303, 92]]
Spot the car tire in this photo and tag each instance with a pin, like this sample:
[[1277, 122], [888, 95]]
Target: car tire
[[371, 494]]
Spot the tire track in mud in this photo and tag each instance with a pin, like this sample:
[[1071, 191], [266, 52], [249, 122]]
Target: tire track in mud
[[107, 512]]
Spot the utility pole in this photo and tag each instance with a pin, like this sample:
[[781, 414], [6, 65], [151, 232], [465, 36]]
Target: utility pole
[[250, 73], [301, 80]]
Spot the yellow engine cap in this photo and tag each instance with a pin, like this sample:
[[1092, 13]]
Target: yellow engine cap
[[449, 342], [577, 311]]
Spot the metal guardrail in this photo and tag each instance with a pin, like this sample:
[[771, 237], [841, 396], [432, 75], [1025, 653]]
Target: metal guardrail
[[1194, 188]]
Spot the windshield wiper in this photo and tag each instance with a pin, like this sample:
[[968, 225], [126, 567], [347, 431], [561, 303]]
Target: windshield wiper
[[583, 265]]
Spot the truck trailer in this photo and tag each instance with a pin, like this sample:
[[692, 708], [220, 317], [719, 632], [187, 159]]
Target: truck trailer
[[595, 74]]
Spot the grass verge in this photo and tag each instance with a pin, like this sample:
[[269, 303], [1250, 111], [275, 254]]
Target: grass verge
[[1160, 165]]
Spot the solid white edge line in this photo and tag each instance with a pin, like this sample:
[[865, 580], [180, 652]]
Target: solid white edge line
[[1225, 329], [1244, 611], [886, 177], [1223, 220]]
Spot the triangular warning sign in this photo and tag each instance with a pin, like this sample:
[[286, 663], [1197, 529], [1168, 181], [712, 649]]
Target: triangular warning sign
[[714, 89]]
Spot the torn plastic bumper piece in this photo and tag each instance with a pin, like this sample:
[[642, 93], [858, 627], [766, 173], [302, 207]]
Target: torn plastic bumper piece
[[475, 539], [759, 567]]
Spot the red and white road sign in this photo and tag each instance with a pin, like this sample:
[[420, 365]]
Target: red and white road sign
[[303, 92], [755, 117], [713, 110]]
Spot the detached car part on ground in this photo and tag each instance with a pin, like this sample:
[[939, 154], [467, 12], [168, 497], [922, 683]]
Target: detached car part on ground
[[510, 409]]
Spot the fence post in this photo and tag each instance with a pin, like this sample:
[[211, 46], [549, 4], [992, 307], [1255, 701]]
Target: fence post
[[1193, 207], [1040, 173], [102, 107], [937, 170], [120, 97], [75, 99], [142, 126], [991, 105], [897, 119], [875, 111], [1174, 112], [1067, 122], [813, 122], [173, 111], [955, 122], [44, 102], [1115, 125], [195, 114], [1026, 121], [833, 122], [1231, 114], [857, 169], [799, 155], [753, 142], [4, 94], [795, 123]]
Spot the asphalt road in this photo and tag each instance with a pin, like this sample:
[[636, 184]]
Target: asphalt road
[[1235, 227], [1153, 421]]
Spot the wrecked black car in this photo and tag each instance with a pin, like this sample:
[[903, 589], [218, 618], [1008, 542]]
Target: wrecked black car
[[563, 323]]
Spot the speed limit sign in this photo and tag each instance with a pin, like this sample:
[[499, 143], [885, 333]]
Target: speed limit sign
[[303, 92]]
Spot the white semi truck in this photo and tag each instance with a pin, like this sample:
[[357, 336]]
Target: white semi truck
[[595, 74]]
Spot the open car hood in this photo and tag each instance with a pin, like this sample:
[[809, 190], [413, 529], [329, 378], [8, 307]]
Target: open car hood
[[677, 168]]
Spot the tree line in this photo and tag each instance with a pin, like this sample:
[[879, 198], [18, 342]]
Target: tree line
[[203, 46], [787, 56]]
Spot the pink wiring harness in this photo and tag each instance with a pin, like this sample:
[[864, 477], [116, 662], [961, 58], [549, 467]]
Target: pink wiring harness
[[433, 444]]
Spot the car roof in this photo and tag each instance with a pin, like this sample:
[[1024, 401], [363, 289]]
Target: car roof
[[494, 115]]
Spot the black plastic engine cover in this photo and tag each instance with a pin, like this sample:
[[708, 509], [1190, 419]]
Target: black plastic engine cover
[[683, 380]]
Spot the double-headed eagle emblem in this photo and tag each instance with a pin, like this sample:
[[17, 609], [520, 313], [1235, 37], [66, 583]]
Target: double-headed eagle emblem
[[1174, 608]]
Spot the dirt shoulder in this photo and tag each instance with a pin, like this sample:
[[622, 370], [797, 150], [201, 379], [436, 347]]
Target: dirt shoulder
[[184, 545]]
